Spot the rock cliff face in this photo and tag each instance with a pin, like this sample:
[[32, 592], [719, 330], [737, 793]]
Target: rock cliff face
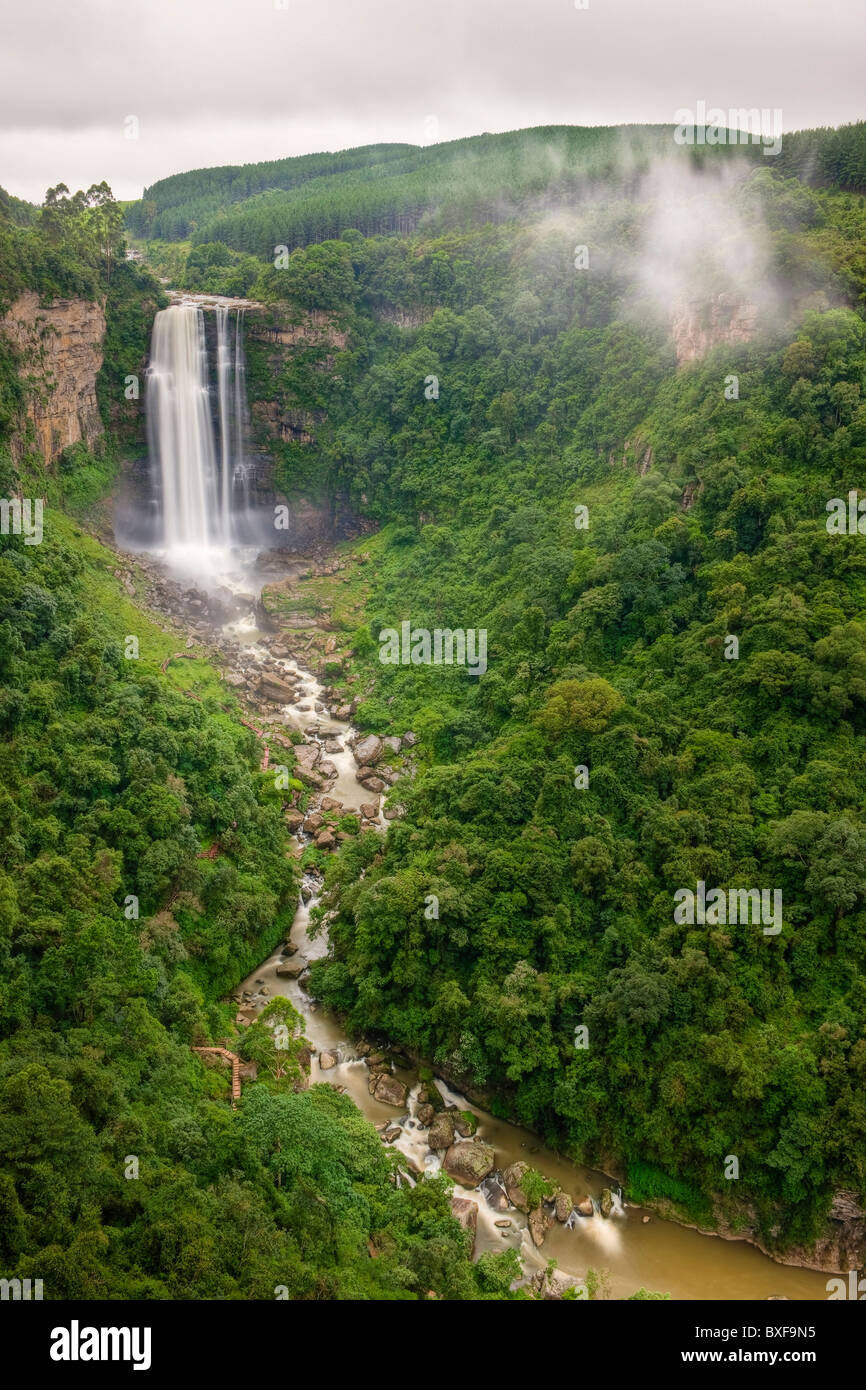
[[273, 338], [60, 349], [315, 329], [702, 324]]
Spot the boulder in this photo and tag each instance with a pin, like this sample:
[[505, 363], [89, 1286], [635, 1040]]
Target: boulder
[[470, 1162], [425, 1114], [315, 820], [465, 1124], [409, 740], [306, 756], [441, 1134], [552, 1284], [291, 969], [294, 820], [511, 1179], [584, 1207], [606, 1201], [369, 750], [372, 784], [539, 1225], [330, 803], [325, 839], [369, 809], [393, 743], [327, 1061], [467, 1214], [279, 692], [563, 1207], [389, 1090]]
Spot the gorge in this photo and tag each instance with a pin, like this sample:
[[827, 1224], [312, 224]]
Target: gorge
[[400, 893], [630, 1247]]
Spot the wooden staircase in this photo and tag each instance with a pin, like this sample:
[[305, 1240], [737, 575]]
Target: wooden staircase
[[236, 1068]]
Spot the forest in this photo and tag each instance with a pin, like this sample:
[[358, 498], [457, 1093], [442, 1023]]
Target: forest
[[612, 506], [707, 519]]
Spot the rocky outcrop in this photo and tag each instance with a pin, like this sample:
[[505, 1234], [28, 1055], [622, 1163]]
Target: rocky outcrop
[[441, 1134], [539, 1224], [368, 750], [553, 1284], [470, 1163], [467, 1214], [60, 351], [389, 1090], [512, 1178], [315, 328], [702, 324]]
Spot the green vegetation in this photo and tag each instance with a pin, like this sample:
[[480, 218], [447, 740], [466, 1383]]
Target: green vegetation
[[117, 938], [376, 189], [607, 650], [557, 389]]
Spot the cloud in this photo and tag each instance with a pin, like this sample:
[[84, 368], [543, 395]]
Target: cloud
[[219, 81]]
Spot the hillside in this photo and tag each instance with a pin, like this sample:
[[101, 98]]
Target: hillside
[[703, 400], [584, 391]]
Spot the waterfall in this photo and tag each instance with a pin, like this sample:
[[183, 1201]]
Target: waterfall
[[240, 409], [224, 368], [179, 426], [198, 460]]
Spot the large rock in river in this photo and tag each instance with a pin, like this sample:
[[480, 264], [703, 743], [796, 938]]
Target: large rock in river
[[441, 1134], [539, 1225], [563, 1207], [369, 750], [470, 1162], [291, 969], [272, 688], [389, 1090], [511, 1179]]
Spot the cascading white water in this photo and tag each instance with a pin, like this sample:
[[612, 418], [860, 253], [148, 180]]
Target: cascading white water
[[179, 426], [240, 408], [198, 473], [224, 367]]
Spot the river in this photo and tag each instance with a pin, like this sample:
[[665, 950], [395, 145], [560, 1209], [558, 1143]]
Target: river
[[628, 1251]]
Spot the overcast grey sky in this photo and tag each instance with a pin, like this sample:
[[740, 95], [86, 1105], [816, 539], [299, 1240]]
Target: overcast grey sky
[[231, 81]]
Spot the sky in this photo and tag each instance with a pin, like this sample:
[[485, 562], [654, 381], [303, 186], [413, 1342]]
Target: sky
[[133, 90]]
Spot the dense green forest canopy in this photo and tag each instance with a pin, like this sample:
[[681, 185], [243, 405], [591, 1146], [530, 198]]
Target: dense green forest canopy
[[394, 188], [122, 1172], [559, 387]]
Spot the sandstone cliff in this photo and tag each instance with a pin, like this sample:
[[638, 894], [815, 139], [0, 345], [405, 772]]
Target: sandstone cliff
[[60, 351], [701, 324]]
